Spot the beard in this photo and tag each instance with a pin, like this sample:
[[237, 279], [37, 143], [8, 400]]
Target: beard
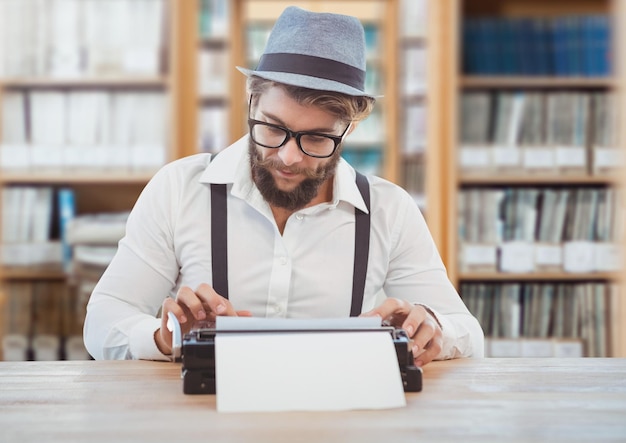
[[303, 193]]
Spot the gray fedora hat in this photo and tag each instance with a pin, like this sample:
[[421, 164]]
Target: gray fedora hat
[[315, 50]]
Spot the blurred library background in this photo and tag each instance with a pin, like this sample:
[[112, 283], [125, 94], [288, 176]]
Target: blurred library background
[[500, 117]]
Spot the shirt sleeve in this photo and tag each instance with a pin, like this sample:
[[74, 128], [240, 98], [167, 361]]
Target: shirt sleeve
[[122, 311], [417, 274]]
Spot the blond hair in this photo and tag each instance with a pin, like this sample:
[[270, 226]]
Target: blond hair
[[346, 107]]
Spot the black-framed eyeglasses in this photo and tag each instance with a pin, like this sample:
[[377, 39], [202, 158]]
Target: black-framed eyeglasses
[[313, 144]]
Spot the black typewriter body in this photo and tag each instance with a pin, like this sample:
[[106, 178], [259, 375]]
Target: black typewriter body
[[198, 358]]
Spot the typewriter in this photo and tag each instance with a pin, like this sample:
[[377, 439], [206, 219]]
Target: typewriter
[[196, 351]]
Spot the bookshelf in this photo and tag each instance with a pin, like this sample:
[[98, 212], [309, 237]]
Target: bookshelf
[[510, 269], [413, 56], [92, 96]]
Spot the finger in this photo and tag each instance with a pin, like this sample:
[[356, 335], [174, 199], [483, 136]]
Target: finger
[[416, 317], [170, 305], [430, 352], [191, 303], [424, 334], [165, 334], [391, 309], [216, 303]]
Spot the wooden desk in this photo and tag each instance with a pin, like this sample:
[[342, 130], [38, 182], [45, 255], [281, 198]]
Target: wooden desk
[[463, 400]]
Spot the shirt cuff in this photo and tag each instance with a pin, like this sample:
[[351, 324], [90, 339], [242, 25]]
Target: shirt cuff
[[142, 344]]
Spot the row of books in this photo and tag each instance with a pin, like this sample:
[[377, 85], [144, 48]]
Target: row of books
[[48, 129], [33, 224], [528, 229], [371, 131], [567, 132], [213, 18], [42, 321], [570, 45], [413, 80], [78, 38], [413, 128], [367, 161], [213, 68], [213, 128], [413, 53], [92, 240], [413, 18], [414, 176], [579, 311]]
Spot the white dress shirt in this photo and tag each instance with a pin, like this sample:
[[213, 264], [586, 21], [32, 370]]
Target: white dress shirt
[[304, 273]]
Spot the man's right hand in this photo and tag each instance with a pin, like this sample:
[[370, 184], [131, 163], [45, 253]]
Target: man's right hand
[[202, 304]]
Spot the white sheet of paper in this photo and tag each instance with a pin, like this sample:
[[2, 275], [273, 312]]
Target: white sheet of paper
[[306, 371], [263, 323]]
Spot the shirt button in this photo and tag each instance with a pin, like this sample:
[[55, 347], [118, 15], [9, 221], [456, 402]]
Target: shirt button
[[277, 309], [283, 260], [299, 216]]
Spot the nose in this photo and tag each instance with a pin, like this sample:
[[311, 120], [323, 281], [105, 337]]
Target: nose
[[290, 153]]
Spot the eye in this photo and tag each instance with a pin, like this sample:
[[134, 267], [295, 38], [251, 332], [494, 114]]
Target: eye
[[317, 139], [274, 130]]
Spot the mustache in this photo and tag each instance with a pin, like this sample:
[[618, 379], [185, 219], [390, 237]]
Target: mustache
[[277, 164]]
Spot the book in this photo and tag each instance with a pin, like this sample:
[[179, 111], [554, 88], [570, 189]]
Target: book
[[14, 152], [543, 319], [66, 200], [565, 45]]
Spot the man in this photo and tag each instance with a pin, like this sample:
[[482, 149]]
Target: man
[[290, 245]]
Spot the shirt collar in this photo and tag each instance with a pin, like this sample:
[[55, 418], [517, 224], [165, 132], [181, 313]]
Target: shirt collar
[[223, 167], [232, 166]]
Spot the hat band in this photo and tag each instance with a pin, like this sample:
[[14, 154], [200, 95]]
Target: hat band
[[313, 66]]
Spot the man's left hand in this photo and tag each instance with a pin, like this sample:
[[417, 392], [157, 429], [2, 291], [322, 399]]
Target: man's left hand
[[421, 326]]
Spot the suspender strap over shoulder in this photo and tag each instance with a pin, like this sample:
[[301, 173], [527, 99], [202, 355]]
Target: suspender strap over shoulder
[[361, 247], [219, 239]]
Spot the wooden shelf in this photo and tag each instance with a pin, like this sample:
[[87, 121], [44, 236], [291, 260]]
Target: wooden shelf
[[213, 99], [414, 156], [536, 276], [409, 41], [51, 272], [213, 42], [535, 180], [84, 82], [550, 82], [414, 98], [72, 177]]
